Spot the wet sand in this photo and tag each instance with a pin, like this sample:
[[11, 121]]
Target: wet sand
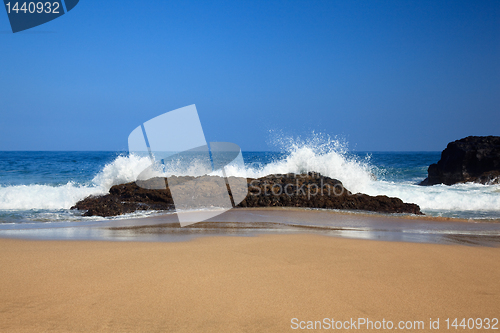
[[239, 284], [256, 221]]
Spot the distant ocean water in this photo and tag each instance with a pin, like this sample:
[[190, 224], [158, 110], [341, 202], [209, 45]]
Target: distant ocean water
[[38, 187]]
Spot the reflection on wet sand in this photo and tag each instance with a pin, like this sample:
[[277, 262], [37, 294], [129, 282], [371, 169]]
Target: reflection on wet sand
[[254, 221]]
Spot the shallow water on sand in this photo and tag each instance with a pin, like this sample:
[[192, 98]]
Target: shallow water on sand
[[255, 221]]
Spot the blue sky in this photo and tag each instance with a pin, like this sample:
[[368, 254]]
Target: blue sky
[[384, 75]]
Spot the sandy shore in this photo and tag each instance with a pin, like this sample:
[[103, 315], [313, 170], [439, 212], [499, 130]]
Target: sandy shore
[[239, 284]]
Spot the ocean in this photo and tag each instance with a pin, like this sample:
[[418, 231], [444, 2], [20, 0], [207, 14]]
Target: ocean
[[41, 187]]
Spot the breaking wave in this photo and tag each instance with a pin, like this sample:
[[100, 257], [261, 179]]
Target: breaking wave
[[318, 153]]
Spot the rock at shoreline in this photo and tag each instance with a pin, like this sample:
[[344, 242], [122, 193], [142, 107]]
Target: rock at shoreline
[[472, 159], [310, 190], [124, 199]]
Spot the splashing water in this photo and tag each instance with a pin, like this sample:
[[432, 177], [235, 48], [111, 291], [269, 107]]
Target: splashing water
[[62, 196], [321, 153], [330, 157], [58, 183]]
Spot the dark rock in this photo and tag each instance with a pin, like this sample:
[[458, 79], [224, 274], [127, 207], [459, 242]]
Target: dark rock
[[307, 190], [472, 159], [126, 198]]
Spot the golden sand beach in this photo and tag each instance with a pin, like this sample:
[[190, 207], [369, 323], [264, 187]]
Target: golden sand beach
[[240, 284]]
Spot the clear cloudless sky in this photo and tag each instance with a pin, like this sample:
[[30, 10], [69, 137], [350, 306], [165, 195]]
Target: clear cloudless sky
[[384, 75]]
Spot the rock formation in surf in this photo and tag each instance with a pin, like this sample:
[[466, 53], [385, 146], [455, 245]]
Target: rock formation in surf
[[310, 190], [471, 159]]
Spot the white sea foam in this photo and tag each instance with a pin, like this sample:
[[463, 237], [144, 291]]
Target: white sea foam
[[123, 169], [458, 197], [25, 197], [319, 154], [330, 157]]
